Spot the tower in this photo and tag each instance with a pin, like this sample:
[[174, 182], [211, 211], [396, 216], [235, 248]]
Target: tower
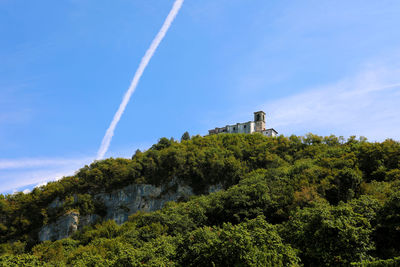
[[259, 120]]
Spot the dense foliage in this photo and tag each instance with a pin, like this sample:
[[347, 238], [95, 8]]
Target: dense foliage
[[288, 201]]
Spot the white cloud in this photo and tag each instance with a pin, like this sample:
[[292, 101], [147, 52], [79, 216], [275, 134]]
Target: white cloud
[[367, 104], [26, 191], [26, 173], [18, 173], [6, 164]]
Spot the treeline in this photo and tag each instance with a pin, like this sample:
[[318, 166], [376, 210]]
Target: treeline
[[313, 201]]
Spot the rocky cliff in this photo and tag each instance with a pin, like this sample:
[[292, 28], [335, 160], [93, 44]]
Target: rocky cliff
[[119, 204]]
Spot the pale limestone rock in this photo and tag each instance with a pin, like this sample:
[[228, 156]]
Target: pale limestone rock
[[62, 228], [119, 204]]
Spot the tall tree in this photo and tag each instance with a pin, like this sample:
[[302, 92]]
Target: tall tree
[[185, 136]]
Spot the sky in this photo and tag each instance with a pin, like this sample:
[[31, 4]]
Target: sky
[[326, 67]]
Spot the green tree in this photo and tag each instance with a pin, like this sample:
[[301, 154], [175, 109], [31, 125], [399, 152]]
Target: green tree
[[387, 233], [19, 260], [328, 235], [252, 243], [185, 136]]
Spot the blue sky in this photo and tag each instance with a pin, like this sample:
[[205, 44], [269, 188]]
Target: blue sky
[[327, 67]]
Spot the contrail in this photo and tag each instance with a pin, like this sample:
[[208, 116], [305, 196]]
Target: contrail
[[142, 66]]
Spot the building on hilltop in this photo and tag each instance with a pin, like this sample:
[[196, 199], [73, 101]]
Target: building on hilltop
[[256, 126]]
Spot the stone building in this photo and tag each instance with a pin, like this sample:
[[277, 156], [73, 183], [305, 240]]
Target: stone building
[[256, 126]]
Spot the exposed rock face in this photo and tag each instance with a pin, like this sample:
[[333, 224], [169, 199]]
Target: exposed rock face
[[62, 228], [215, 188], [87, 220], [128, 200], [119, 205]]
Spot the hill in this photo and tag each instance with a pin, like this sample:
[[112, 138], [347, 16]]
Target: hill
[[240, 200]]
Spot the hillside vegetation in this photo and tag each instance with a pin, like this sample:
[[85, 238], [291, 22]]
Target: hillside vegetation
[[287, 201]]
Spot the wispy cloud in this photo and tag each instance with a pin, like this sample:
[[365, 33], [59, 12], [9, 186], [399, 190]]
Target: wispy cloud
[[16, 174], [366, 104], [23, 174], [6, 164]]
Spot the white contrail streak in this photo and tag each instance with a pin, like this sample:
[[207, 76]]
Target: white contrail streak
[[143, 64]]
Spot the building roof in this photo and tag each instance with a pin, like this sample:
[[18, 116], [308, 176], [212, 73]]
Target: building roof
[[272, 130]]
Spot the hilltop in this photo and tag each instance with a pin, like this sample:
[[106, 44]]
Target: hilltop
[[238, 200]]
